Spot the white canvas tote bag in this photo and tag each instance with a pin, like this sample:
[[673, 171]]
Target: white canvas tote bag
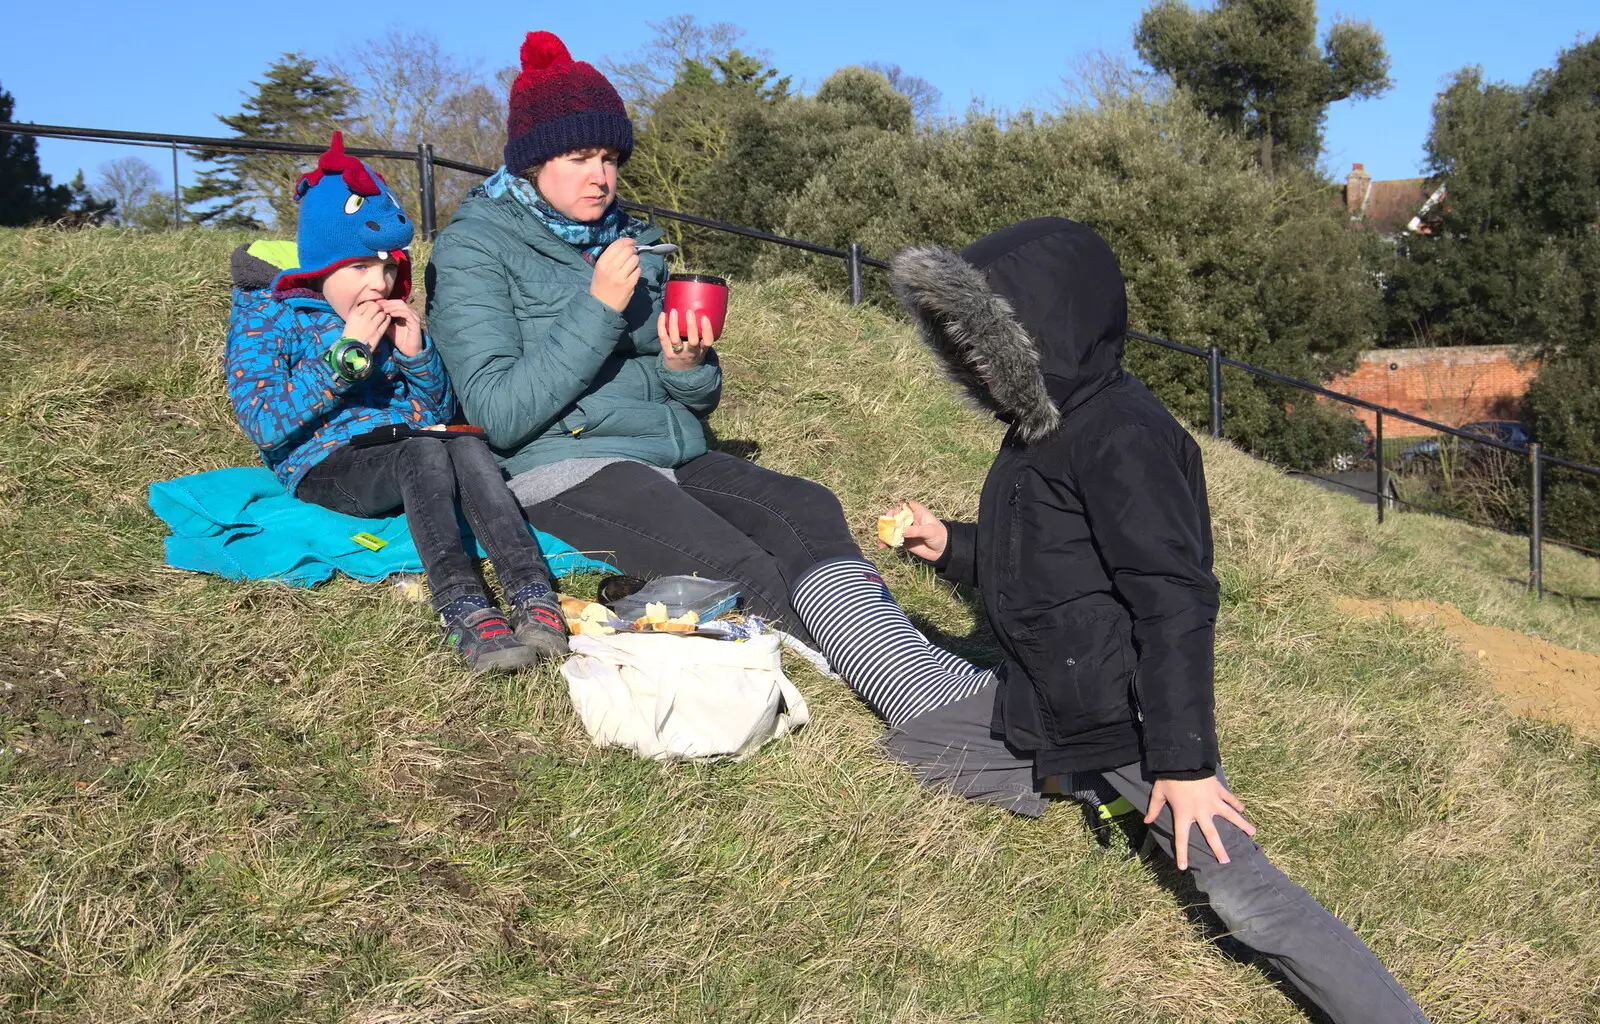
[[682, 697]]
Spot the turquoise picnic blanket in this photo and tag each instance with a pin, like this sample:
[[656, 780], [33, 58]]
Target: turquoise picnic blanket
[[241, 524]]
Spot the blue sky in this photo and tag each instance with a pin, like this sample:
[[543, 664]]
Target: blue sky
[[171, 67]]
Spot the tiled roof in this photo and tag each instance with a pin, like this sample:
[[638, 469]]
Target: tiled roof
[[1391, 204], [1385, 206]]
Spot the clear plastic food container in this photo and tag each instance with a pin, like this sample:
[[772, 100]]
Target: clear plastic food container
[[681, 594]]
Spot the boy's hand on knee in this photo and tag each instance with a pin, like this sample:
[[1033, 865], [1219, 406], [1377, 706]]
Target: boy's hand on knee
[[1197, 802]]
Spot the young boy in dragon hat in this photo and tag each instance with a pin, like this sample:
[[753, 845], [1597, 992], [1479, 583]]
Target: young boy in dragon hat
[[1093, 553], [330, 351]]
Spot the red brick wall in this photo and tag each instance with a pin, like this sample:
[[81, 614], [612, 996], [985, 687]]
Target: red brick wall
[[1450, 385]]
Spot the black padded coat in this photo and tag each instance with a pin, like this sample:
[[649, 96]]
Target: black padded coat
[[1092, 548]]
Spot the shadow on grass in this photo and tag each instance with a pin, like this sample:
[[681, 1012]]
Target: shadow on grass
[[749, 451], [1128, 833], [1573, 600], [978, 647]]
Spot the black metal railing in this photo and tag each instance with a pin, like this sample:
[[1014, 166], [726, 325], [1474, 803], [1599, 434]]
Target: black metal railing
[[1382, 492], [426, 160], [427, 199]]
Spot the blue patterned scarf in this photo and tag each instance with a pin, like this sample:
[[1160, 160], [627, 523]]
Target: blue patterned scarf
[[588, 237]]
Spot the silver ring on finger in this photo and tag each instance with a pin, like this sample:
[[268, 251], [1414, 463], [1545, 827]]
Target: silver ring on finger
[[678, 348]]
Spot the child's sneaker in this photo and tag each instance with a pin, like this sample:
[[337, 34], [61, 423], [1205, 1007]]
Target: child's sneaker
[[537, 619], [476, 628]]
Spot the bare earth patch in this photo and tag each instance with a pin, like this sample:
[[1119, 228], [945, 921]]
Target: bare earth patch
[[1539, 679], [49, 717]]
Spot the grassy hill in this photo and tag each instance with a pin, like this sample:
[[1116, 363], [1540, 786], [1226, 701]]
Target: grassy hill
[[255, 803]]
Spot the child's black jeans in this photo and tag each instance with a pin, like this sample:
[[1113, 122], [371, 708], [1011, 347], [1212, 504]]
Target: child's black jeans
[[428, 478]]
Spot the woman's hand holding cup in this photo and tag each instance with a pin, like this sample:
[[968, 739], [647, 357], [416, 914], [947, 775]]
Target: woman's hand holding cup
[[687, 350], [694, 309], [616, 274]]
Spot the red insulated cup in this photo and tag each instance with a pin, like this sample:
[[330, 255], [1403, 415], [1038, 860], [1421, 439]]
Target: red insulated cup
[[697, 295]]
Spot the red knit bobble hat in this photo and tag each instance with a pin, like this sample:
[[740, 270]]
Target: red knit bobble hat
[[559, 105]]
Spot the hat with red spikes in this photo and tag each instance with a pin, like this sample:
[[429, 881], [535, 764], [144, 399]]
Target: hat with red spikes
[[347, 213]]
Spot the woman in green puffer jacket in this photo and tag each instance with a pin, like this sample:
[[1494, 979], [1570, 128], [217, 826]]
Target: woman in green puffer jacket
[[550, 323]]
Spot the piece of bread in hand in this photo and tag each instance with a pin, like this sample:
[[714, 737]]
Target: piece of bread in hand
[[892, 529]]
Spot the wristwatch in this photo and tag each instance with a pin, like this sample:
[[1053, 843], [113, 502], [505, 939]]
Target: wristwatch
[[350, 358]]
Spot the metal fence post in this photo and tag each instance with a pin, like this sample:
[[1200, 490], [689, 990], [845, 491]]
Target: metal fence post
[[177, 203], [1377, 449], [855, 273], [1536, 534], [1216, 391], [425, 188]]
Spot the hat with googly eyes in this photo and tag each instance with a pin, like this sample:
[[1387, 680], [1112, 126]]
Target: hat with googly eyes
[[347, 213]]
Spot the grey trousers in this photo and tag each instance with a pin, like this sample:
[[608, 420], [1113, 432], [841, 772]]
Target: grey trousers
[[951, 747]]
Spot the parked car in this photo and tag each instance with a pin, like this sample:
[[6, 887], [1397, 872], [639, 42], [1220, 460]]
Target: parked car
[[1505, 431], [1362, 448]]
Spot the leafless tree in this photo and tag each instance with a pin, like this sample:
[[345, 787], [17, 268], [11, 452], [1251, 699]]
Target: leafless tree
[[129, 182], [925, 97], [643, 75], [410, 90]]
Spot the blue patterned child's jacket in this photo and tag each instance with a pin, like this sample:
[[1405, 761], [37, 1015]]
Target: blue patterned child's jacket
[[289, 400]]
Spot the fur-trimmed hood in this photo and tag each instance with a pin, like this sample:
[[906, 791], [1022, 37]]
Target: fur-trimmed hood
[[1029, 320]]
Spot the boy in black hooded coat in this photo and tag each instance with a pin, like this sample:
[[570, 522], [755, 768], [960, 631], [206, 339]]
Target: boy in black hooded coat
[[1093, 554]]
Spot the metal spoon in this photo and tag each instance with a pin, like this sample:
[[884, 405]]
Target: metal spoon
[[659, 249]]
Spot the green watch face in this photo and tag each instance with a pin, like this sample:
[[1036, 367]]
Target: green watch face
[[357, 358], [350, 359]]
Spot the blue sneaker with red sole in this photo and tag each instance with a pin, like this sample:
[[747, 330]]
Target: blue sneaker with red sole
[[537, 620], [483, 636]]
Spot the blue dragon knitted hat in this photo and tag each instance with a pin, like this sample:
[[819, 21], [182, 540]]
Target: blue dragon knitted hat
[[347, 213]]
